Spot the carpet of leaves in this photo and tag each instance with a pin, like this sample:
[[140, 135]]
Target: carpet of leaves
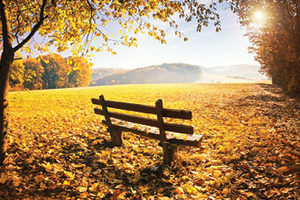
[[58, 149]]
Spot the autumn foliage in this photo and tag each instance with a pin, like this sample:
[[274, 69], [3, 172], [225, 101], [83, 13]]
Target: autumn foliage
[[275, 39], [58, 149], [50, 72]]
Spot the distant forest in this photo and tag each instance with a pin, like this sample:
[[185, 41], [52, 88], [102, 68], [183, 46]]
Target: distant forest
[[50, 72]]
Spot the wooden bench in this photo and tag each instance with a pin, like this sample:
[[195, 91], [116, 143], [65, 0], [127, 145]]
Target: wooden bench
[[168, 132]]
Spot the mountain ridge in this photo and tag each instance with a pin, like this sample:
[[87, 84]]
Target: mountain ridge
[[177, 73], [164, 73]]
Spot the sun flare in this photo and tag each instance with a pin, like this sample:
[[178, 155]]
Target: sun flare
[[259, 16]]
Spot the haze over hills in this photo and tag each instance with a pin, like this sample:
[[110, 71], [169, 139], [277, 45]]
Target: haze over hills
[[164, 73], [101, 72], [177, 73], [235, 73], [247, 71]]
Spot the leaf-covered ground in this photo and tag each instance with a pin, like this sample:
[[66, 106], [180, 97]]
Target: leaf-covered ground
[[58, 149]]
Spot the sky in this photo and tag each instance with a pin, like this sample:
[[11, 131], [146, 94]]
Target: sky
[[207, 48]]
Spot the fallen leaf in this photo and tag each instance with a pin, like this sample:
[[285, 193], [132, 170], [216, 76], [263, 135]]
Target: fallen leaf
[[4, 178]]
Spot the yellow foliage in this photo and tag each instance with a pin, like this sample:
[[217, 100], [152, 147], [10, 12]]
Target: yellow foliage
[[66, 23]]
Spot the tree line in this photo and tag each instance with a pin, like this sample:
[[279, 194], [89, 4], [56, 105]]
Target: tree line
[[50, 72], [275, 39]]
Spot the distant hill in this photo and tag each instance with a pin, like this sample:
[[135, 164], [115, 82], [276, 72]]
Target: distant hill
[[101, 72], [242, 70], [177, 73], [235, 73], [164, 73]]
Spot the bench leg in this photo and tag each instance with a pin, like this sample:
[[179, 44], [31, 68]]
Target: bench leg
[[116, 138], [169, 151]]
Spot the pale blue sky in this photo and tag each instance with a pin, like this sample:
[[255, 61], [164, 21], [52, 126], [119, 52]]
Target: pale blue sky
[[207, 48]]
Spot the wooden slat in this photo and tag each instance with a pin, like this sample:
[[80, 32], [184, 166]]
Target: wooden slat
[[193, 143], [127, 106], [96, 101], [98, 111], [149, 122], [178, 128], [135, 131], [105, 113], [172, 113], [179, 114], [160, 120], [134, 119]]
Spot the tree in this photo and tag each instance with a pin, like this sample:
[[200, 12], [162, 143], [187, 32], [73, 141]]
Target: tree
[[33, 74], [275, 38], [55, 71], [73, 24], [80, 73], [50, 72], [16, 77]]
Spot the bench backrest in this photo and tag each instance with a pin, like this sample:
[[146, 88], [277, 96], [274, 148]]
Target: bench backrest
[[157, 110]]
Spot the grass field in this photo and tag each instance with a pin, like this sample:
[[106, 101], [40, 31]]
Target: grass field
[[58, 149]]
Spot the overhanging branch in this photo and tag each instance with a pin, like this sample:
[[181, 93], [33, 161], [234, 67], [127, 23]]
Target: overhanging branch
[[35, 28]]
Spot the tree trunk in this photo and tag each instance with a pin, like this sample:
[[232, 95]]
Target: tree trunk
[[6, 61], [7, 58]]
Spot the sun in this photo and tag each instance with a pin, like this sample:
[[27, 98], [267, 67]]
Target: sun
[[260, 16]]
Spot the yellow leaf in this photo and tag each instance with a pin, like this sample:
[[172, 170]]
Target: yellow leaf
[[47, 166], [16, 181], [203, 196], [4, 178], [69, 175], [191, 190], [283, 169], [39, 178], [29, 160], [223, 150], [160, 190], [81, 189], [66, 182], [84, 195], [185, 178], [88, 169], [225, 191], [179, 190], [94, 187], [42, 185]]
